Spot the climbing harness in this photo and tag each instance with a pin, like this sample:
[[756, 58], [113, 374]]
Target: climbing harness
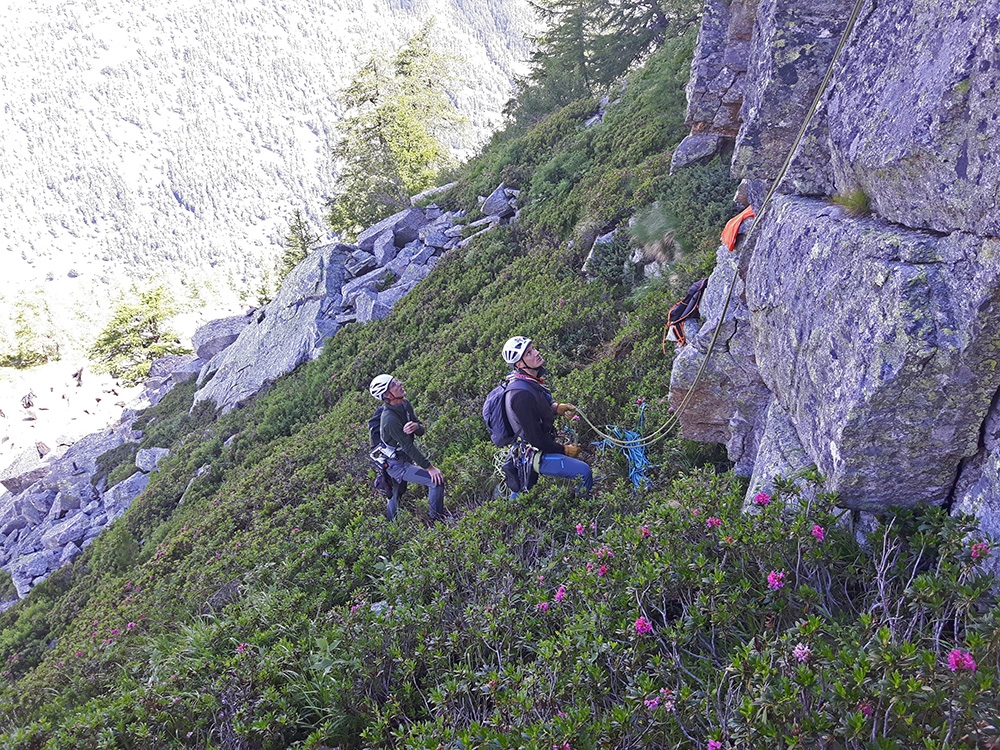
[[515, 465], [674, 419]]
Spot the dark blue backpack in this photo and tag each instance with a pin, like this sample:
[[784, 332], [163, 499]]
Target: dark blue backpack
[[495, 413]]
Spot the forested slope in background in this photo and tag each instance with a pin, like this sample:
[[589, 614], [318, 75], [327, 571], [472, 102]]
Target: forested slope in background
[[175, 139]]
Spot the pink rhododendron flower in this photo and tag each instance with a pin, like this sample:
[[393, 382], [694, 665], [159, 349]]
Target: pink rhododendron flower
[[802, 653], [242, 648], [542, 606], [130, 625], [652, 704], [980, 550], [712, 522], [644, 532], [602, 571], [762, 498], [959, 660], [579, 528], [775, 580], [866, 708], [561, 594], [819, 532], [643, 626], [713, 745]]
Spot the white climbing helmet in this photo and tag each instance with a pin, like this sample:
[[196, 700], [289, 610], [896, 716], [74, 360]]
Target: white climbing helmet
[[379, 385], [515, 348]]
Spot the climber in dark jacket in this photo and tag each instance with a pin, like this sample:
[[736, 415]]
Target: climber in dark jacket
[[532, 412], [405, 461]]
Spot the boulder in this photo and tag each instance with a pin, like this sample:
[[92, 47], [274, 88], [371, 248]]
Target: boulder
[[187, 370], [72, 529], [26, 469], [63, 504], [352, 289], [695, 149], [291, 329], [118, 498], [27, 569], [384, 248], [216, 335], [405, 225], [369, 307], [498, 203], [359, 263], [147, 459], [69, 553], [164, 366]]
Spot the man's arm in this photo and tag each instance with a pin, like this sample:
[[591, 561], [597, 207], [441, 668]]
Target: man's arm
[[393, 434]]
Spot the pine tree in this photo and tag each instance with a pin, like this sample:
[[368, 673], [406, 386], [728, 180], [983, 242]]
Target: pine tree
[[136, 337], [299, 242], [391, 142]]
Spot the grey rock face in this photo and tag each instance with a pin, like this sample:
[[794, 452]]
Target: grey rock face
[[216, 335], [880, 343], [288, 331], [404, 226], [780, 453], [354, 288], [793, 43], [147, 459], [977, 492], [118, 498], [912, 117], [729, 401]]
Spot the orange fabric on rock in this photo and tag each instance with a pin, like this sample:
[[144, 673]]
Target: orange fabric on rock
[[732, 228]]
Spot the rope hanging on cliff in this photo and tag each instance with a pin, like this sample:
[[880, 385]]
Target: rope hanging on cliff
[[662, 431]]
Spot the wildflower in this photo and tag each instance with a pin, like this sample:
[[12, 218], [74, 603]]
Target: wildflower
[[819, 532], [542, 606], [560, 714], [115, 631], [696, 512], [79, 654], [712, 522], [602, 571], [640, 401], [762, 498], [603, 552], [561, 594], [980, 550], [130, 626], [713, 745], [541, 579], [775, 580], [652, 704], [579, 528], [242, 648], [644, 532], [802, 653], [728, 539], [643, 626], [866, 708], [959, 660], [575, 418]]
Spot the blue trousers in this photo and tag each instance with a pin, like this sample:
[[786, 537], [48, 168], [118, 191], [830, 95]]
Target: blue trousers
[[403, 472], [564, 467]]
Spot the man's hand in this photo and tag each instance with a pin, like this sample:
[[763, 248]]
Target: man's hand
[[562, 409], [410, 427], [572, 450], [436, 476]]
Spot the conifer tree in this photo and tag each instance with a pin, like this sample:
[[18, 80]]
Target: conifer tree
[[298, 244], [391, 141], [136, 336]]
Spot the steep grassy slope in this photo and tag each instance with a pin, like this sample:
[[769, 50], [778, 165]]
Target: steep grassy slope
[[254, 597]]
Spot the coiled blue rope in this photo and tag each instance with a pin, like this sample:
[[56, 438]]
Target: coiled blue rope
[[629, 442]]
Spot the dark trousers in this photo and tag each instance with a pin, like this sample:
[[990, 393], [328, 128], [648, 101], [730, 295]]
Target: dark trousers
[[403, 472]]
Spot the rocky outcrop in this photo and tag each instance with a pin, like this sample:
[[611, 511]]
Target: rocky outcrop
[[334, 285], [216, 335], [55, 518], [718, 78], [864, 345]]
